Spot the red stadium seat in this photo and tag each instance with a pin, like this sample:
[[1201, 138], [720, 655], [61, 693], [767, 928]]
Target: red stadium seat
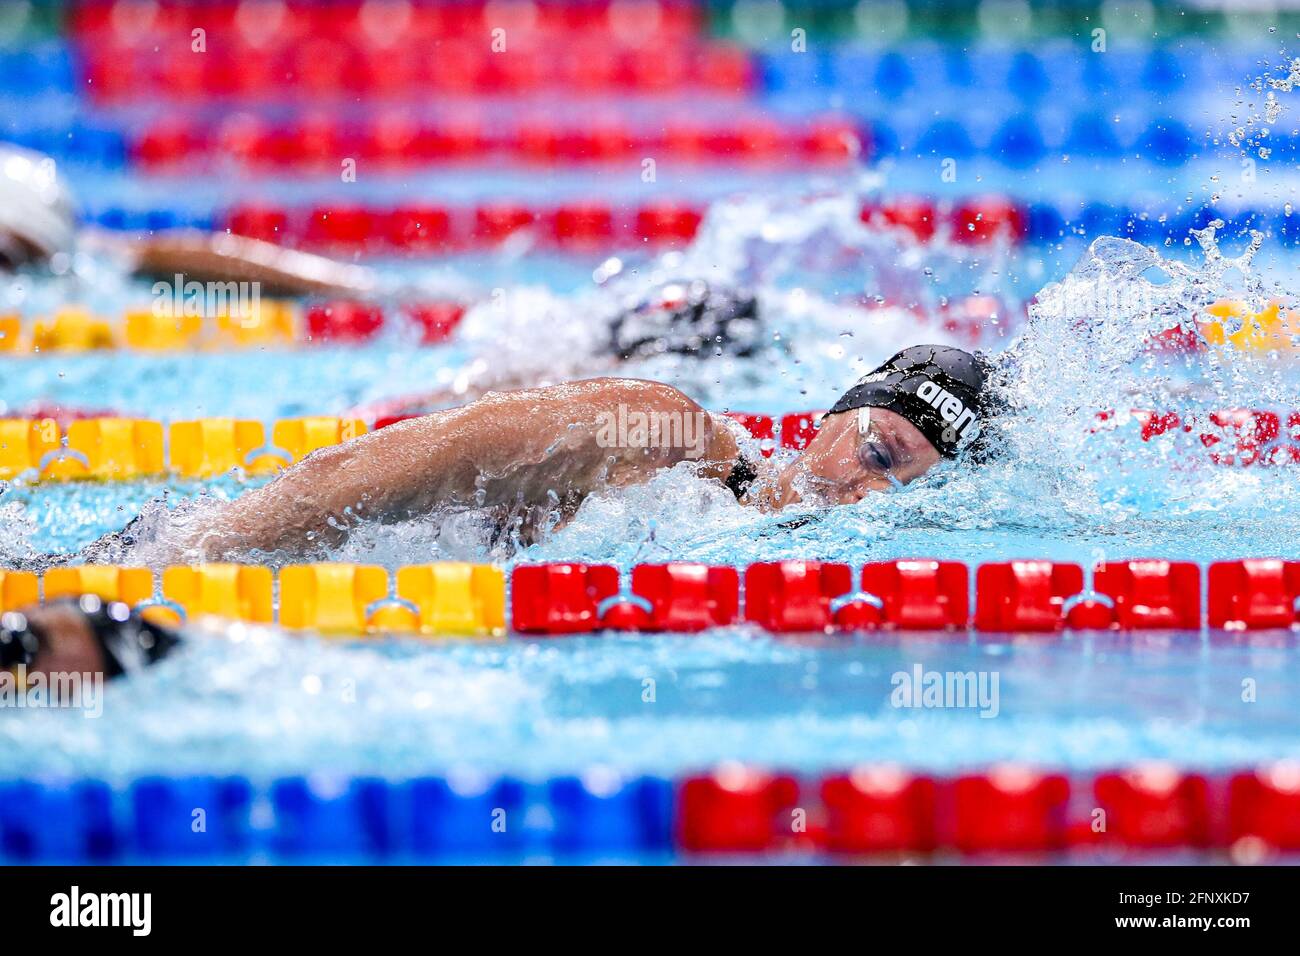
[[1019, 596], [1252, 594]]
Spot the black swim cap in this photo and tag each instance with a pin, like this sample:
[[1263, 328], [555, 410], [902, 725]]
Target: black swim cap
[[937, 388], [689, 318]]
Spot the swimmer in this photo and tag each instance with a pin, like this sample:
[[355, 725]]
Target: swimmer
[[38, 231], [528, 458], [538, 448], [694, 319], [81, 636]]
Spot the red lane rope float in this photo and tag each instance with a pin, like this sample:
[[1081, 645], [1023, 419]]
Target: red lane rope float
[[1009, 808], [914, 595], [645, 23], [974, 221], [309, 50], [577, 226], [582, 226], [321, 68], [1026, 597], [395, 142], [1234, 436]]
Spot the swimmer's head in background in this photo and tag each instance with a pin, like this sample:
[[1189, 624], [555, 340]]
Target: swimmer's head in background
[[688, 318], [943, 391], [37, 215]]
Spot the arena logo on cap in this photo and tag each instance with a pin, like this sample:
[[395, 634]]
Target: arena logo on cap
[[950, 408]]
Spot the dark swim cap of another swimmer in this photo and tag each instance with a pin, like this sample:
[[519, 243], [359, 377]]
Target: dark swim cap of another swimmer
[[939, 389]]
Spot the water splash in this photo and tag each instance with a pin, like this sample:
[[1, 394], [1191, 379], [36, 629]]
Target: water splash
[[1253, 123]]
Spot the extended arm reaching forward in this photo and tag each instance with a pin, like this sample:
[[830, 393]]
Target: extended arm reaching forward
[[545, 448]]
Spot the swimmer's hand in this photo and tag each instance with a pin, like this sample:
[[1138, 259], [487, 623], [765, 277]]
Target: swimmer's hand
[[220, 257]]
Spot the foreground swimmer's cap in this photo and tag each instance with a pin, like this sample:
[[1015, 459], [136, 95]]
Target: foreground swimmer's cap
[[937, 388], [35, 206]]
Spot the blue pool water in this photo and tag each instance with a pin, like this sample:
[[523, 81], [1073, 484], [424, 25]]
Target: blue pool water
[[839, 298], [267, 705], [263, 703]]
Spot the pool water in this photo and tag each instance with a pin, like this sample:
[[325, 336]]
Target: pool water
[[1078, 308], [262, 703], [267, 705]]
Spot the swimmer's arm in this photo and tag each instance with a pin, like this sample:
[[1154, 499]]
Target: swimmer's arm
[[219, 257], [533, 445]]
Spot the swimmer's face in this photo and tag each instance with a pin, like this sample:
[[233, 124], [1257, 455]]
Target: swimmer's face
[[855, 453]]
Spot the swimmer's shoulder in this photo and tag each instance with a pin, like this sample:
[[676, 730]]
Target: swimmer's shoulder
[[645, 394]]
